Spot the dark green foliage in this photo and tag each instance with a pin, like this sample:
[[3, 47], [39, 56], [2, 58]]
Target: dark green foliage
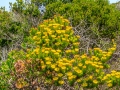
[[9, 29], [15, 26], [96, 13], [5, 42]]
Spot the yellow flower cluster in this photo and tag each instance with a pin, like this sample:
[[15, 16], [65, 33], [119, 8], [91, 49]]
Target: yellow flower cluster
[[56, 52], [112, 78]]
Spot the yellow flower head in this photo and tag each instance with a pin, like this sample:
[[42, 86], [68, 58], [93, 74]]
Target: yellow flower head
[[79, 80], [78, 36], [58, 51], [38, 33], [56, 69], [79, 71], [53, 36], [113, 71], [61, 82], [90, 77], [84, 66], [66, 35], [53, 66], [64, 39], [47, 40], [75, 68], [83, 56], [96, 48], [117, 76], [108, 75], [70, 77], [97, 70], [109, 85], [58, 31], [101, 66], [95, 81], [46, 52], [43, 66], [76, 56], [80, 64], [87, 62], [48, 59], [35, 37], [60, 75], [55, 78], [48, 62], [63, 31], [57, 43], [76, 43], [76, 49], [84, 84], [68, 51], [63, 67], [53, 51], [69, 74]]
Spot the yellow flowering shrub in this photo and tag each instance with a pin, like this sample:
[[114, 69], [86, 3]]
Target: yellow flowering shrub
[[52, 56]]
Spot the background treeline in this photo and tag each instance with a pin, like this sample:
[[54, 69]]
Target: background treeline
[[97, 22]]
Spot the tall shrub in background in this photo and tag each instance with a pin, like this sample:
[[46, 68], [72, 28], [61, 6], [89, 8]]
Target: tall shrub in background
[[11, 32], [100, 16]]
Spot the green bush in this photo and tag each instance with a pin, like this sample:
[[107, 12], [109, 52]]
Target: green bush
[[97, 14], [53, 58]]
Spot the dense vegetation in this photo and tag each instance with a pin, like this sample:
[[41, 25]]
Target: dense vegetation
[[100, 16], [69, 45]]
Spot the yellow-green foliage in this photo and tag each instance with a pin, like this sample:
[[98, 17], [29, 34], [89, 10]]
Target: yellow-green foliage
[[53, 56], [112, 79]]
